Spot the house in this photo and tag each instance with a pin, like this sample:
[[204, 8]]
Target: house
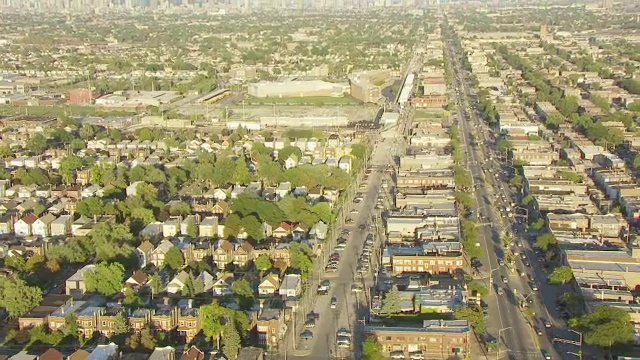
[[283, 189], [251, 353], [269, 285], [299, 232], [243, 254], [90, 191], [132, 189], [6, 224], [319, 230], [42, 226], [315, 193], [23, 355], [208, 227], [221, 209], [207, 280], [152, 230], [171, 227], [75, 285], [61, 226], [291, 286], [220, 194], [193, 353], [104, 352], [188, 320], [184, 225], [158, 254], [283, 230], [24, 226], [163, 353], [51, 354], [143, 253], [136, 281], [291, 161], [270, 326], [222, 285], [178, 282], [80, 354], [345, 164]]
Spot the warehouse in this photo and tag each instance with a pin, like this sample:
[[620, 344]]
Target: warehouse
[[286, 89]]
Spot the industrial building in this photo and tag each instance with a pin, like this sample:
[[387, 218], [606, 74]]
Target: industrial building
[[367, 86], [286, 89]]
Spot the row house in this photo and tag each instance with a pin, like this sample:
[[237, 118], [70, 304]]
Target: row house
[[226, 252], [295, 231], [278, 253]]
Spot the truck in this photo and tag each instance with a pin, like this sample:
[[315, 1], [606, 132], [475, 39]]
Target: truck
[[324, 287]]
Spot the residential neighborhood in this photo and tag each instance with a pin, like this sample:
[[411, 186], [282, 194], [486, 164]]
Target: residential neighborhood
[[397, 180]]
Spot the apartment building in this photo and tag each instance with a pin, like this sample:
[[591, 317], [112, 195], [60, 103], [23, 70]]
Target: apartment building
[[436, 339]]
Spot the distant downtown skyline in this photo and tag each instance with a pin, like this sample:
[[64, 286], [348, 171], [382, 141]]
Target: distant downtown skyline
[[84, 5]]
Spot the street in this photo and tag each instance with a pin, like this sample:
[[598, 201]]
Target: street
[[514, 332]]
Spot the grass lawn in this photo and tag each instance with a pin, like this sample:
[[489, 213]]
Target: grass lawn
[[428, 114], [311, 100], [71, 110]]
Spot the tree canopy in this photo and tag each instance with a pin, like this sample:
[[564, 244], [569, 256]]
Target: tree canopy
[[605, 326]]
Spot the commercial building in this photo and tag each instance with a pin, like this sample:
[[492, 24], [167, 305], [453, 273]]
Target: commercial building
[[285, 89], [436, 339]]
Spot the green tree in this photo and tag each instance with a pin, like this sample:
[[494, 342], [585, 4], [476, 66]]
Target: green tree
[[474, 316], [359, 151], [37, 144], [253, 227], [17, 297], [300, 258], [68, 167], [106, 279], [636, 162], [90, 206], [214, 317], [232, 225], [131, 299], [504, 145], [605, 326], [561, 275], [371, 349], [192, 227], [173, 259], [70, 327], [263, 263], [391, 303], [244, 293], [544, 241], [180, 208], [120, 324], [16, 263], [241, 175], [231, 342], [34, 263], [287, 151]]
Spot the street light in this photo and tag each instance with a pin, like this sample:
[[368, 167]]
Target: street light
[[579, 334], [500, 350]]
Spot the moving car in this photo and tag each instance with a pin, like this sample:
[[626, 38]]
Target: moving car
[[546, 355], [334, 302]]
